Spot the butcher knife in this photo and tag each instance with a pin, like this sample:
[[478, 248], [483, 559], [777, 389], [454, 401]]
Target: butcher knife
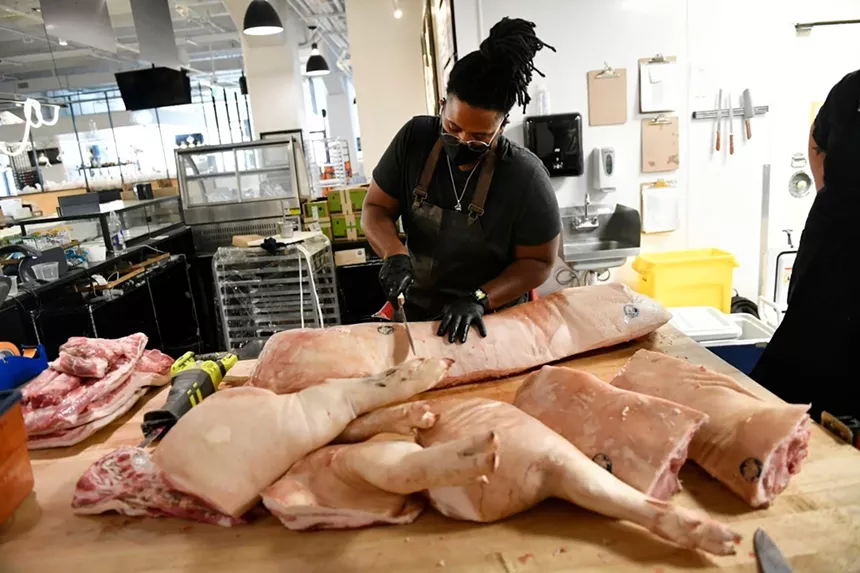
[[770, 558], [401, 316], [191, 382], [749, 112]]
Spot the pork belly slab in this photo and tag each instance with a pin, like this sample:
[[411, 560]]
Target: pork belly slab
[[351, 486], [237, 443], [126, 481], [641, 440], [562, 324], [536, 463], [752, 446]]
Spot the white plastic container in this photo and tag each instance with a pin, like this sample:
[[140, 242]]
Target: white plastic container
[[704, 323], [47, 271]]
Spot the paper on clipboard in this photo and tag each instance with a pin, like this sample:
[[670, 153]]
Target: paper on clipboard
[[660, 207], [607, 96], [659, 85], [660, 150]]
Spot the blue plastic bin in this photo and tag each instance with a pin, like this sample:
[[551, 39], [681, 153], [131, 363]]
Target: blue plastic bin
[[743, 353], [15, 370]]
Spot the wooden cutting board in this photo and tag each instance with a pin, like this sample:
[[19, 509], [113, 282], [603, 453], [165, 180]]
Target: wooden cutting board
[[815, 522]]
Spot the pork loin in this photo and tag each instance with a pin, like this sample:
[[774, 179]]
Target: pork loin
[[752, 446], [126, 481], [642, 440], [552, 328]]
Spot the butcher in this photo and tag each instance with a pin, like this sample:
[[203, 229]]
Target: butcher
[[808, 359], [480, 215]]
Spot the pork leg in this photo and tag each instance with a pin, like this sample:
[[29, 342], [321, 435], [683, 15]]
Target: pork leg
[[349, 486], [401, 419], [578, 480], [238, 442], [536, 463]]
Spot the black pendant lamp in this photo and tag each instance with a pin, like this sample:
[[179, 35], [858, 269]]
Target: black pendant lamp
[[317, 66], [261, 19]]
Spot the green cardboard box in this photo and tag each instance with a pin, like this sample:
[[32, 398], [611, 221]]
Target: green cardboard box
[[316, 210], [346, 200], [346, 226], [324, 227]]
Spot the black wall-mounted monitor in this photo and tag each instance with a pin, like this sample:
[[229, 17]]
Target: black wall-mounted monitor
[[557, 141], [154, 87]]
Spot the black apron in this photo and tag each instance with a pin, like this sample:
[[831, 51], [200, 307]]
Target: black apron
[[451, 256], [810, 357]]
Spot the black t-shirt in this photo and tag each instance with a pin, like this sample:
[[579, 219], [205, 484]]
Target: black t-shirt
[[837, 133], [521, 207]]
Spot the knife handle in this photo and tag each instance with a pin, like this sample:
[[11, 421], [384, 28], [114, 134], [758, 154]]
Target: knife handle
[[732, 144], [718, 141], [749, 129]]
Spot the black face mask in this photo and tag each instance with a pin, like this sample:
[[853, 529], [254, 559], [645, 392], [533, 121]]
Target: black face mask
[[460, 154]]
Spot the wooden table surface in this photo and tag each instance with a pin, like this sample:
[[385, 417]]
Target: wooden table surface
[[815, 522]]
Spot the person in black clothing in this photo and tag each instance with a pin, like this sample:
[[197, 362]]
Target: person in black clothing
[[480, 215], [809, 359]]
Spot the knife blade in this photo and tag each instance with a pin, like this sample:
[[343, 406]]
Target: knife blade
[[401, 312], [770, 558], [719, 116], [749, 112]]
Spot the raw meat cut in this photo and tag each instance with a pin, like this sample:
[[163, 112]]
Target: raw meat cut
[[404, 419], [536, 463], [641, 440], [351, 486], [154, 366], [752, 446], [554, 327], [126, 481], [97, 415], [235, 444], [90, 357], [49, 388], [67, 412]]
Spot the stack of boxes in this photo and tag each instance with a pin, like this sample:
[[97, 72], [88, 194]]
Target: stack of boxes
[[339, 215]]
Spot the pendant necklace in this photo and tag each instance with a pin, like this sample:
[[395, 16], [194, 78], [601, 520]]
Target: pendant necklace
[[459, 205]]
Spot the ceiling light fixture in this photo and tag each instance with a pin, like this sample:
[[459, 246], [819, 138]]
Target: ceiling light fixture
[[261, 19], [316, 66], [398, 13], [62, 42]]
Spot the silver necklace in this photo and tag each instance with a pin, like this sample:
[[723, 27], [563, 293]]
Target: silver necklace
[[459, 198]]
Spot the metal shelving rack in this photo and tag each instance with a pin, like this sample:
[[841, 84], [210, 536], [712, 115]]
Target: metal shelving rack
[[258, 294]]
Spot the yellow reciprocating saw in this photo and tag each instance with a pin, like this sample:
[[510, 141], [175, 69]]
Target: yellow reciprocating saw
[[192, 379]]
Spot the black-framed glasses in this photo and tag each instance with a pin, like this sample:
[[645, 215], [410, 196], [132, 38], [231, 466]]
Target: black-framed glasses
[[473, 144]]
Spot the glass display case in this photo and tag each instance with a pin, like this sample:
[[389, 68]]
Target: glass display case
[[140, 219], [240, 188]]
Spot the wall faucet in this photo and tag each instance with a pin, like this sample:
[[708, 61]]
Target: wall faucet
[[585, 222]]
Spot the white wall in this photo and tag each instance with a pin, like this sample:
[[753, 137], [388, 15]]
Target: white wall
[[387, 71], [721, 195]]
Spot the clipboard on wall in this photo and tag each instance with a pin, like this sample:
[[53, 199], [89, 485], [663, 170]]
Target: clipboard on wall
[[660, 150], [659, 84], [660, 207], [607, 96]]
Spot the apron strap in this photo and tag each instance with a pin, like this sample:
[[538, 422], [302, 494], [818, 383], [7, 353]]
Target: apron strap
[[476, 207], [419, 194]]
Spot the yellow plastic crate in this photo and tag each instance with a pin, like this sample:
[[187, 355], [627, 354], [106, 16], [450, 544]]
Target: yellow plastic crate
[[696, 277]]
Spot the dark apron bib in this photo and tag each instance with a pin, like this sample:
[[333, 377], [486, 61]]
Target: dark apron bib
[[451, 256]]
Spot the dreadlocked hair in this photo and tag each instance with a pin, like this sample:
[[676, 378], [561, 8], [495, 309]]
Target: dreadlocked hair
[[497, 76]]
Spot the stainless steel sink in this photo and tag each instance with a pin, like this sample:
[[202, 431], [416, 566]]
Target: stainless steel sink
[[615, 238]]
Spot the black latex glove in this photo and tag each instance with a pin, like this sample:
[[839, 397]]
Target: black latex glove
[[395, 276], [459, 316]]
